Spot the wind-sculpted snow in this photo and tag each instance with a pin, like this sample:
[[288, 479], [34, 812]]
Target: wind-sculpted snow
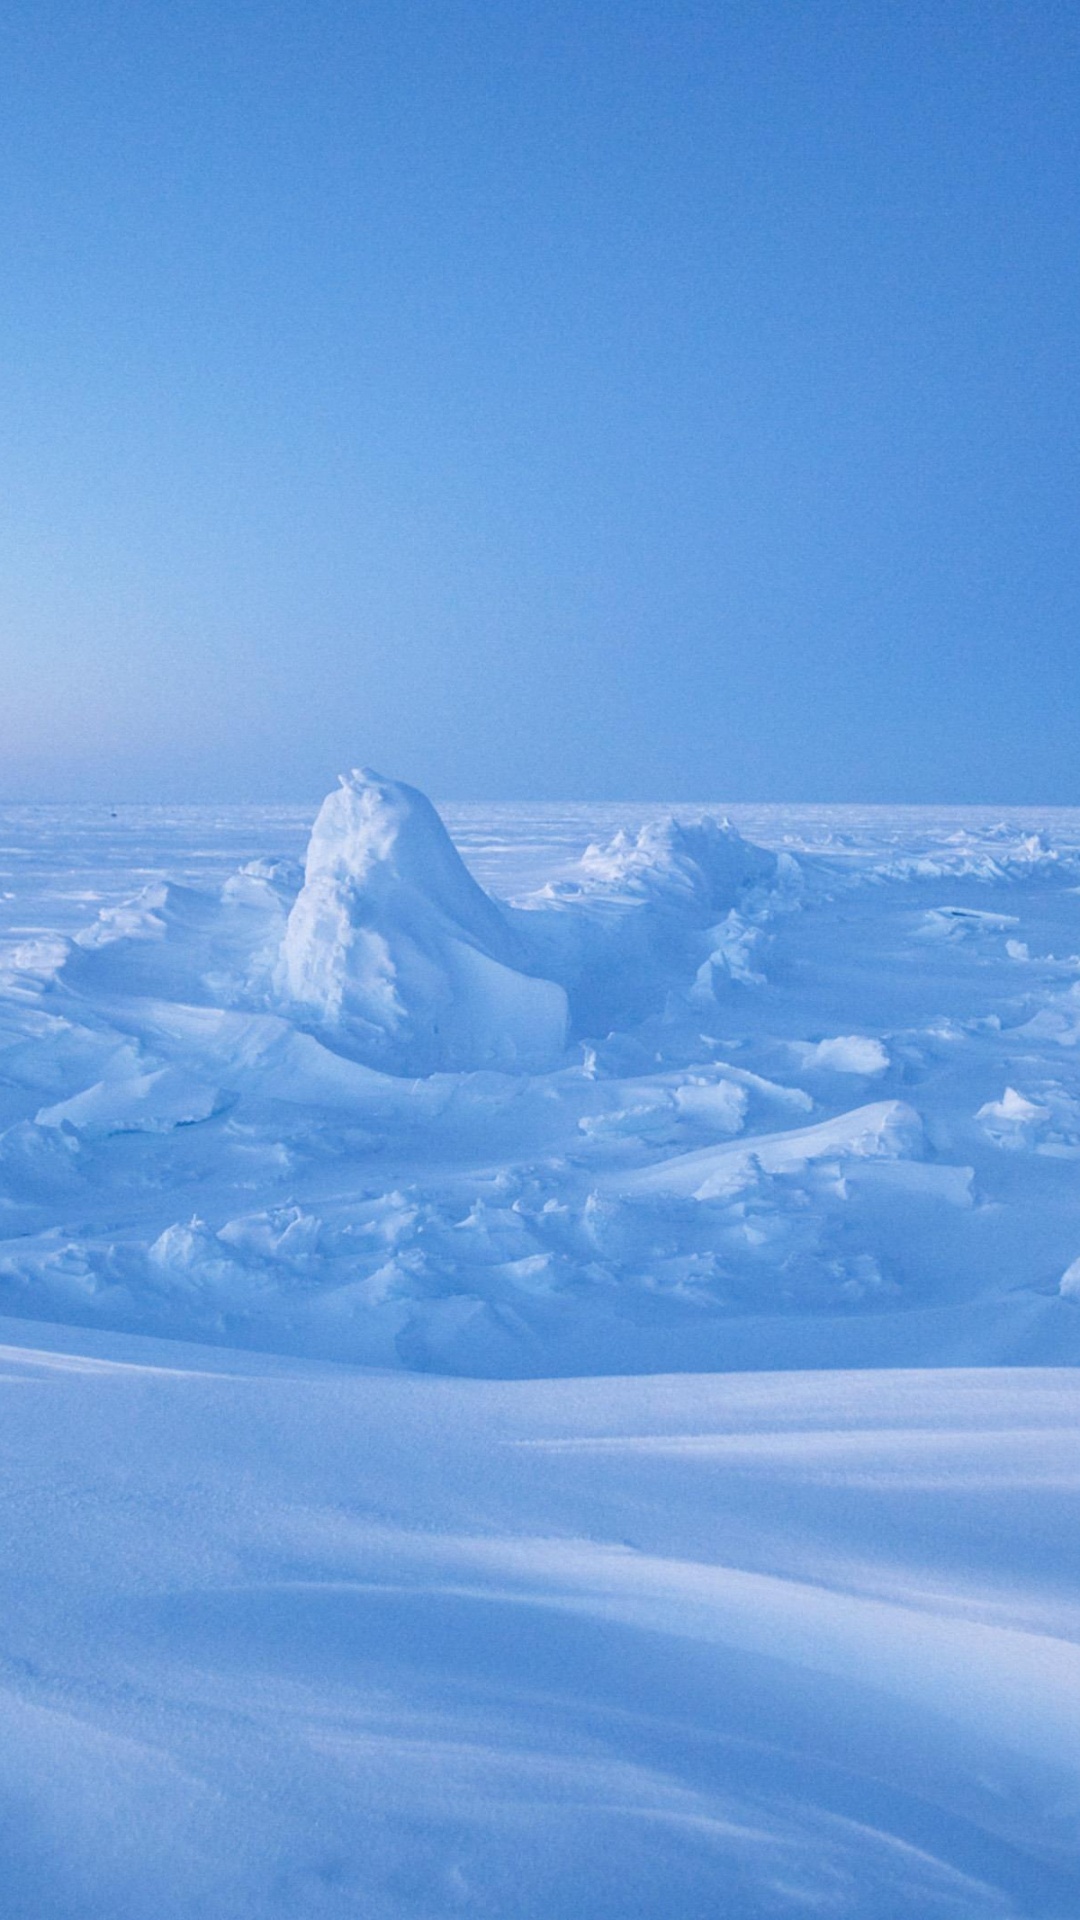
[[288, 1640]]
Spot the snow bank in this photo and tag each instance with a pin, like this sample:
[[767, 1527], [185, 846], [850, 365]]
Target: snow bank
[[888, 1129]]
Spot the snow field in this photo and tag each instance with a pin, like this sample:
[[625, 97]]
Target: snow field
[[300, 1639], [689, 1102], [539, 1385]]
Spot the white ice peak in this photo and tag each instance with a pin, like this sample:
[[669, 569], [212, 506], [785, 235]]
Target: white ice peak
[[393, 945]]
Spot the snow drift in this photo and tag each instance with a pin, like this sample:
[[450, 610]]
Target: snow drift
[[285, 1642]]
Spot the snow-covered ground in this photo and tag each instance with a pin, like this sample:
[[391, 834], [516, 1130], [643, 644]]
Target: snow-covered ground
[[696, 1100], [539, 1384]]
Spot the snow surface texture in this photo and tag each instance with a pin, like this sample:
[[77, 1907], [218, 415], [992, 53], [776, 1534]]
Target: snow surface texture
[[615, 1094], [289, 1639], [688, 1102]]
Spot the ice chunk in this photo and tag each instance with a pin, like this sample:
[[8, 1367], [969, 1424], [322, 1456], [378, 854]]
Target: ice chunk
[[1013, 1121], [962, 923], [192, 1257], [393, 946], [720, 1104], [733, 943], [1069, 1286], [848, 1053], [286, 1234], [649, 914]]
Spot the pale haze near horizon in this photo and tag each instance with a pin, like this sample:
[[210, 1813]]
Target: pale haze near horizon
[[545, 401]]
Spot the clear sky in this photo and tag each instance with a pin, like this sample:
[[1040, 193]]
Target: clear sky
[[540, 399]]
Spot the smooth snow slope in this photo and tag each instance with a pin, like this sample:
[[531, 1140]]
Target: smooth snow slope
[[299, 1640]]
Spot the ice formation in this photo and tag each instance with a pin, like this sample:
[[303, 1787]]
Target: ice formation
[[393, 948], [649, 914], [395, 954], [690, 1101]]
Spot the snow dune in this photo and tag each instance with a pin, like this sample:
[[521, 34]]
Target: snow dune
[[327, 1640]]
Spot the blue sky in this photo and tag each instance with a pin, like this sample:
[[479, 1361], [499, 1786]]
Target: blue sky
[[540, 400]]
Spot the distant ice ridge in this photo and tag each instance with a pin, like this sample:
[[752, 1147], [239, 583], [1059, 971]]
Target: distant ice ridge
[[696, 867]]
